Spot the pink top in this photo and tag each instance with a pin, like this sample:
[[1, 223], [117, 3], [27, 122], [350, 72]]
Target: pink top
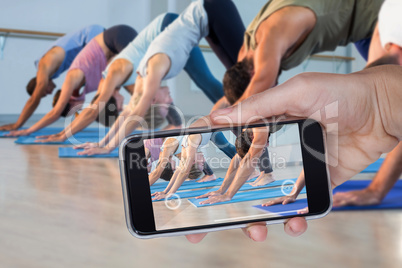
[[154, 147], [92, 61]]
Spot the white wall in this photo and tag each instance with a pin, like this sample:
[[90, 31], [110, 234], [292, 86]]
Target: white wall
[[16, 67]]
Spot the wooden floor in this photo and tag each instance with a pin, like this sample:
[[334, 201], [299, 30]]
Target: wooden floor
[[69, 213]]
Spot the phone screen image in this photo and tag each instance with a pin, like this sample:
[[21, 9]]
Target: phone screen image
[[227, 176]]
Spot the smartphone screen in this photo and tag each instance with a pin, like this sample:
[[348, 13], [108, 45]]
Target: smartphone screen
[[245, 170]]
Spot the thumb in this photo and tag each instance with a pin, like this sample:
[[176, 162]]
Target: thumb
[[296, 97]]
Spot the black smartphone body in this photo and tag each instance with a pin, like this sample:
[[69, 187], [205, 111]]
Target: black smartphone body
[[295, 147]]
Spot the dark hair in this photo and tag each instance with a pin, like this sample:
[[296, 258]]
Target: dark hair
[[109, 113], [31, 86], [167, 172], [245, 139], [236, 80], [243, 143], [384, 60], [56, 99]]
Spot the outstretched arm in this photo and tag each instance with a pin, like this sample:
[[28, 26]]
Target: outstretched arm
[[292, 196], [33, 102], [276, 44], [186, 162], [158, 66], [169, 147], [384, 180], [247, 165], [73, 81], [227, 181], [117, 74], [48, 64]]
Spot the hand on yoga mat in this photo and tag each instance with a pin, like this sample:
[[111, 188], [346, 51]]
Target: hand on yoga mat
[[281, 200], [9, 127], [214, 193], [87, 145], [216, 199], [17, 133], [365, 197], [95, 150], [51, 138], [361, 113]]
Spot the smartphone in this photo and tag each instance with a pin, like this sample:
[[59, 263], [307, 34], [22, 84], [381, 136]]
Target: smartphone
[[293, 147]]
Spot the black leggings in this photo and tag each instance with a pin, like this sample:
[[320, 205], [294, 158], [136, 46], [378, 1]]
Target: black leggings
[[116, 38], [226, 30], [264, 164]]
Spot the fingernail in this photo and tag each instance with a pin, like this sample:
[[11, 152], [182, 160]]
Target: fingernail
[[222, 111]]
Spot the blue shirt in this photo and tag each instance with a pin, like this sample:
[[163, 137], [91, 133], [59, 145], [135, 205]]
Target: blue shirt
[[72, 44]]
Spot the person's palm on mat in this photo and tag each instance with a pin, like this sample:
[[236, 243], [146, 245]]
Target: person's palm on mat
[[95, 151], [18, 133], [280, 200], [214, 193], [364, 197], [59, 137], [86, 145], [361, 115], [9, 127]]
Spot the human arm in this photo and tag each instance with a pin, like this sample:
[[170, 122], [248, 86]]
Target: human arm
[[47, 65], [74, 80], [369, 122], [220, 104], [384, 180], [246, 167], [158, 66], [227, 181], [292, 196], [186, 162], [118, 72], [169, 147], [275, 44], [33, 102]]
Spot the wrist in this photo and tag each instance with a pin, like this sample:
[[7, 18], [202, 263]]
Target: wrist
[[108, 148], [376, 193]]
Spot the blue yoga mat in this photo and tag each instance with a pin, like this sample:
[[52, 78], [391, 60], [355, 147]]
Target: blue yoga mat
[[374, 167], [393, 200], [187, 185], [245, 187], [193, 185], [87, 132], [28, 140], [285, 210], [245, 196], [162, 185], [70, 152], [197, 185]]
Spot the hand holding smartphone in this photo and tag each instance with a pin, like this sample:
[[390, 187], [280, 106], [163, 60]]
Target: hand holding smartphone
[[178, 182]]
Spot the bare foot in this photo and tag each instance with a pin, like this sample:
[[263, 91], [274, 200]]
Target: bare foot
[[208, 178], [263, 179], [252, 176]]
